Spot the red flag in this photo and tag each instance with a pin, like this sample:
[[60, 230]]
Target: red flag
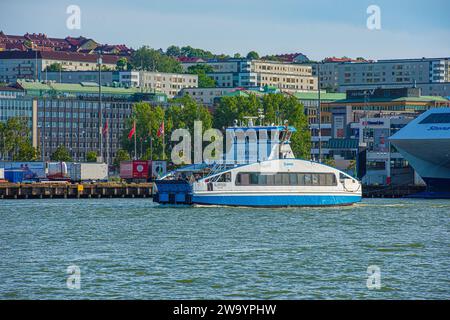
[[160, 130], [105, 128], [132, 131]]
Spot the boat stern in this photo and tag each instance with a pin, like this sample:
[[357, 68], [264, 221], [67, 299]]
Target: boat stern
[[175, 192]]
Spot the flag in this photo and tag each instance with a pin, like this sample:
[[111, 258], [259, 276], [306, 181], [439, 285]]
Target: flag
[[105, 128], [132, 131], [160, 130]]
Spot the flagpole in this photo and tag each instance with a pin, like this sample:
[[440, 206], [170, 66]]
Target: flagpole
[[107, 142], [151, 148], [135, 134], [164, 148]]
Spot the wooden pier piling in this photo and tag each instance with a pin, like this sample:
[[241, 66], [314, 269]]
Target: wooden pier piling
[[64, 191]]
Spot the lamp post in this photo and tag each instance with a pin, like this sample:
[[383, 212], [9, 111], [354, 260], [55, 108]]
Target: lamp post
[[319, 109], [100, 111]]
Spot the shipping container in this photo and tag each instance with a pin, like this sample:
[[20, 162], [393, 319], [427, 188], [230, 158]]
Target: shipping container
[[33, 170], [14, 175], [136, 170], [93, 172]]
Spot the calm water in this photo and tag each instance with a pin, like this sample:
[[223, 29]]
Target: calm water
[[132, 249]]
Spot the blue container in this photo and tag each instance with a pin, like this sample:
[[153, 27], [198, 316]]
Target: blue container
[[14, 176]]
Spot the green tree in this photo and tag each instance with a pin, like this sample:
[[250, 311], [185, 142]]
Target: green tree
[[277, 108], [26, 152], [91, 156], [121, 155], [173, 51], [149, 59], [61, 154], [148, 120], [235, 108], [237, 55], [183, 113], [271, 58], [204, 81], [188, 51], [55, 67], [253, 55], [15, 134], [122, 64]]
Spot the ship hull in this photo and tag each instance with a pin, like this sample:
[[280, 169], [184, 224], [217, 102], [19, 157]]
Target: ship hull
[[276, 200], [425, 144]]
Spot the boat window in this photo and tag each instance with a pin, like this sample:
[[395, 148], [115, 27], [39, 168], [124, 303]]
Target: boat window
[[343, 177], [331, 179], [278, 180], [243, 179], [315, 179], [262, 180], [308, 180], [293, 179], [254, 178], [436, 118], [226, 177], [322, 179], [286, 179]]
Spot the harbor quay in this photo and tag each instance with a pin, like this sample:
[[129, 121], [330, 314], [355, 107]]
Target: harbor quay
[[144, 190], [66, 190]]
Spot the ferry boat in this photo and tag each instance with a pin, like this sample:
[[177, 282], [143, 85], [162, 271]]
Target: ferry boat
[[267, 176], [425, 143]]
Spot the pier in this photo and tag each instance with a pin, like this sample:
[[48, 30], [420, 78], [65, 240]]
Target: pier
[[65, 190], [144, 190], [391, 191]]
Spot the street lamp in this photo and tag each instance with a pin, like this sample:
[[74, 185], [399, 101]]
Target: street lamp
[[319, 109], [100, 111]]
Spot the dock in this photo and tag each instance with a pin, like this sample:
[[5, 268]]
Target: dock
[[144, 190], [391, 191], [65, 190]]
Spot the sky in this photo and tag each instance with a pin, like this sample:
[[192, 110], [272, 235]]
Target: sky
[[317, 28]]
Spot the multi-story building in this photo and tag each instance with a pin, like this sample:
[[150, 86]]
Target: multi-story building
[[339, 115], [384, 164], [168, 83], [432, 75], [210, 97], [206, 96], [328, 70], [288, 77], [16, 65], [68, 115]]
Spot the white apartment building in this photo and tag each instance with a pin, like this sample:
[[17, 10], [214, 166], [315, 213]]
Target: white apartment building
[[205, 96], [169, 83], [288, 77], [432, 75], [32, 64]]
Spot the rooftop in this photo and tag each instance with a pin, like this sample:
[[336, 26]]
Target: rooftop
[[74, 88], [323, 96], [58, 55]]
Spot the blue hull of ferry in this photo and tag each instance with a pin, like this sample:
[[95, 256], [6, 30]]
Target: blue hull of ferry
[[277, 200]]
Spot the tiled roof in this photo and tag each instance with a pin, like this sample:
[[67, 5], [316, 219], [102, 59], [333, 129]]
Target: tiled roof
[[57, 55]]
